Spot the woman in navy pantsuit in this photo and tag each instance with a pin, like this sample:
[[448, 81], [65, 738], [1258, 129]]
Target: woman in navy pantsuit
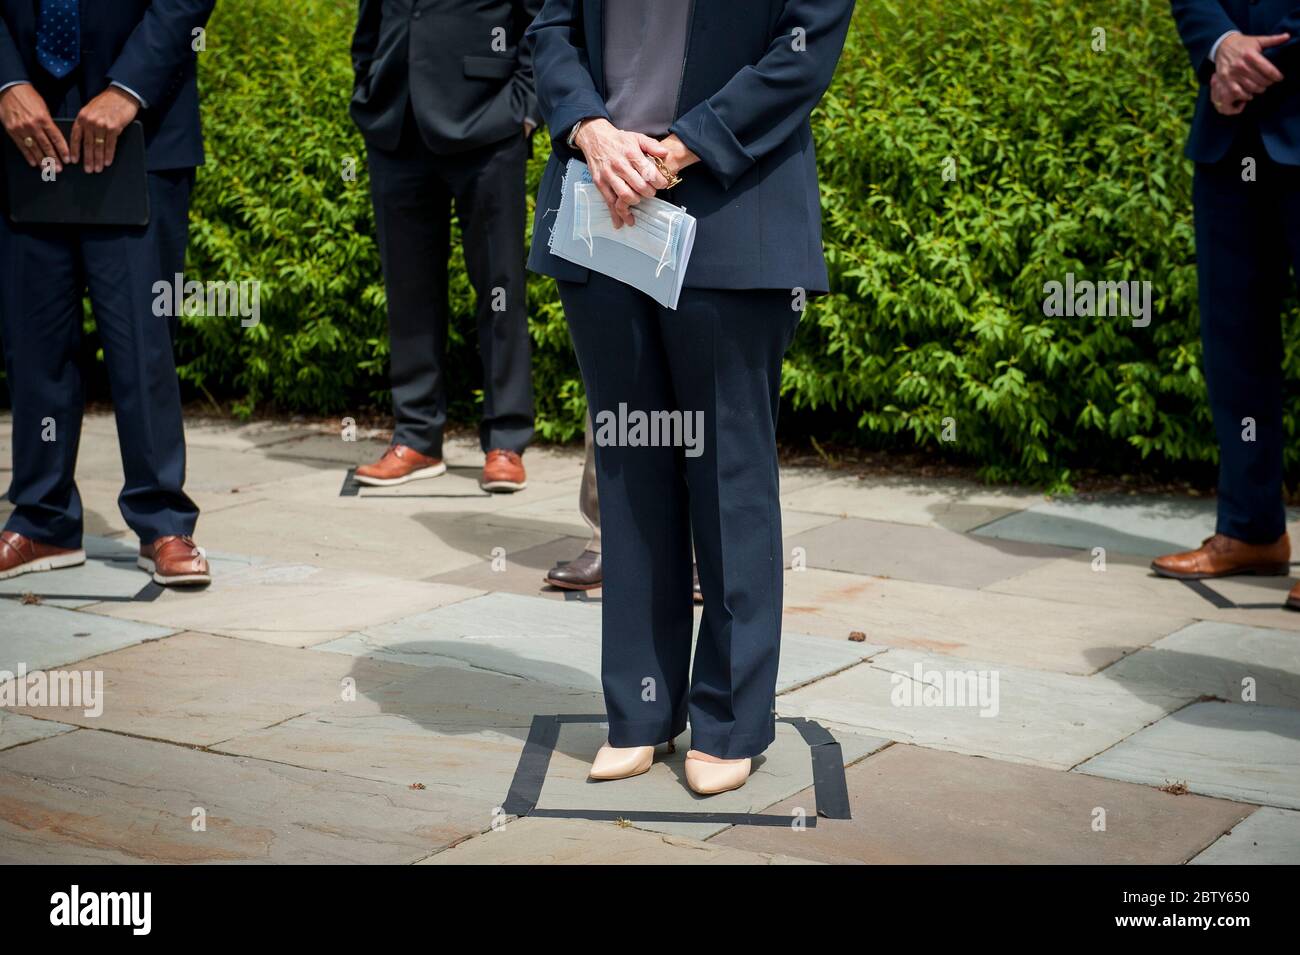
[[706, 104]]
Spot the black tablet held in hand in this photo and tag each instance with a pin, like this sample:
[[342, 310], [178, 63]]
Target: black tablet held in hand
[[117, 196]]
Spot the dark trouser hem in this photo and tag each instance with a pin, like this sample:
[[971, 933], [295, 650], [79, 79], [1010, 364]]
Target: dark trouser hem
[[730, 746], [1253, 532], [69, 540], [429, 447], [644, 732]]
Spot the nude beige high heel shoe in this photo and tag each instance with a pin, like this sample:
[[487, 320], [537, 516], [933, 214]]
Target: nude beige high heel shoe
[[624, 762], [709, 778]]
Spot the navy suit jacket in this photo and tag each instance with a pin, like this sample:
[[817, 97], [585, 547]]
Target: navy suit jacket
[[1276, 113], [146, 45], [747, 93]]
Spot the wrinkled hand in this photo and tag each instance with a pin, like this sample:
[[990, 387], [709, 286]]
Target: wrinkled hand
[[621, 167], [98, 126], [1242, 72], [27, 120], [1223, 100]]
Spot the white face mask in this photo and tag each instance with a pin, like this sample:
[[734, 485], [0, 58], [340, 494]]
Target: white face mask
[[656, 232]]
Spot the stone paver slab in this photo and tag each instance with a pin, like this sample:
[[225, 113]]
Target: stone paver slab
[[42, 637], [16, 729], [1012, 630], [1267, 836], [289, 604], [200, 689], [1149, 526], [1234, 663], [532, 841], [556, 642], [1128, 582], [1045, 719], [316, 526], [1246, 752], [922, 806], [453, 730], [955, 505], [91, 797], [925, 554]]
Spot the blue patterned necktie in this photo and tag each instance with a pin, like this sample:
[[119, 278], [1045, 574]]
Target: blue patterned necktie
[[58, 37]]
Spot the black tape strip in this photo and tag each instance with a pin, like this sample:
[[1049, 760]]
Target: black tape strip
[[530, 774], [830, 788], [350, 487], [149, 592], [647, 815], [1210, 594]]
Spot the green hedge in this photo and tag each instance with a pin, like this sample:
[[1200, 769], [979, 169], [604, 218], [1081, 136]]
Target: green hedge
[[1068, 159]]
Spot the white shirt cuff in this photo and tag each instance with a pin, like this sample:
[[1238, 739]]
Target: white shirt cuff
[[126, 89], [15, 83], [1214, 50]]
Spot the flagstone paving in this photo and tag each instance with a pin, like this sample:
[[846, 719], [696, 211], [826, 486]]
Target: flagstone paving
[[1266, 837], [547, 641], [360, 681], [914, 805], [1242, 751]]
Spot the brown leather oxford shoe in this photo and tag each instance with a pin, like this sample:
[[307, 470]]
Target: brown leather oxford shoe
[[399, 465], [503, 472], [174, 560], [21, 555], [1223, 556]]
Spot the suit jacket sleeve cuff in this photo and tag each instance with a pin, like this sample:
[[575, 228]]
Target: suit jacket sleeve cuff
[[706, 135], [564, 115]]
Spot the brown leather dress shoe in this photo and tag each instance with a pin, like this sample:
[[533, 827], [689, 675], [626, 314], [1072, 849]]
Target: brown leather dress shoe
[[503, 472], [1223, 556], [399, 465], [581, 574], [174, 559], [22, 555]]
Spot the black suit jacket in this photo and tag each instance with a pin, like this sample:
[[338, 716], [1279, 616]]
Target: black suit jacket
[[462, 65], [754, 72], [1276, 113], [146, 45]]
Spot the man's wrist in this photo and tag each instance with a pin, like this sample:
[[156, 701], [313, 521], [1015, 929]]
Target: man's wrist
[[1214, 50]]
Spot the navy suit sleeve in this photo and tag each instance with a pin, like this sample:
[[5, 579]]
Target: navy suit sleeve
[[1200, 24], [565, 91], [11, 64], [366, 38], [763, 105], [160, 46], [525, 13]]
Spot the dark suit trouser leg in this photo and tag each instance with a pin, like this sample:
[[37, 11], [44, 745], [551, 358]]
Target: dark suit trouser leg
[[488, 186], [719, 354], [1242, 232], [413, 225], [122, 267], [40, 325]]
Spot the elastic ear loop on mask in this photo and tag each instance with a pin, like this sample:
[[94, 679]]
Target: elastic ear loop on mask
[[582, 202], [668, 243]]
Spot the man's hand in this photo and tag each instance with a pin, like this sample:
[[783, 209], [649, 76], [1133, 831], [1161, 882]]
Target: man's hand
[[1222, 99], [1242, 72], [27, 120], [621, 166], [98, 126]]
